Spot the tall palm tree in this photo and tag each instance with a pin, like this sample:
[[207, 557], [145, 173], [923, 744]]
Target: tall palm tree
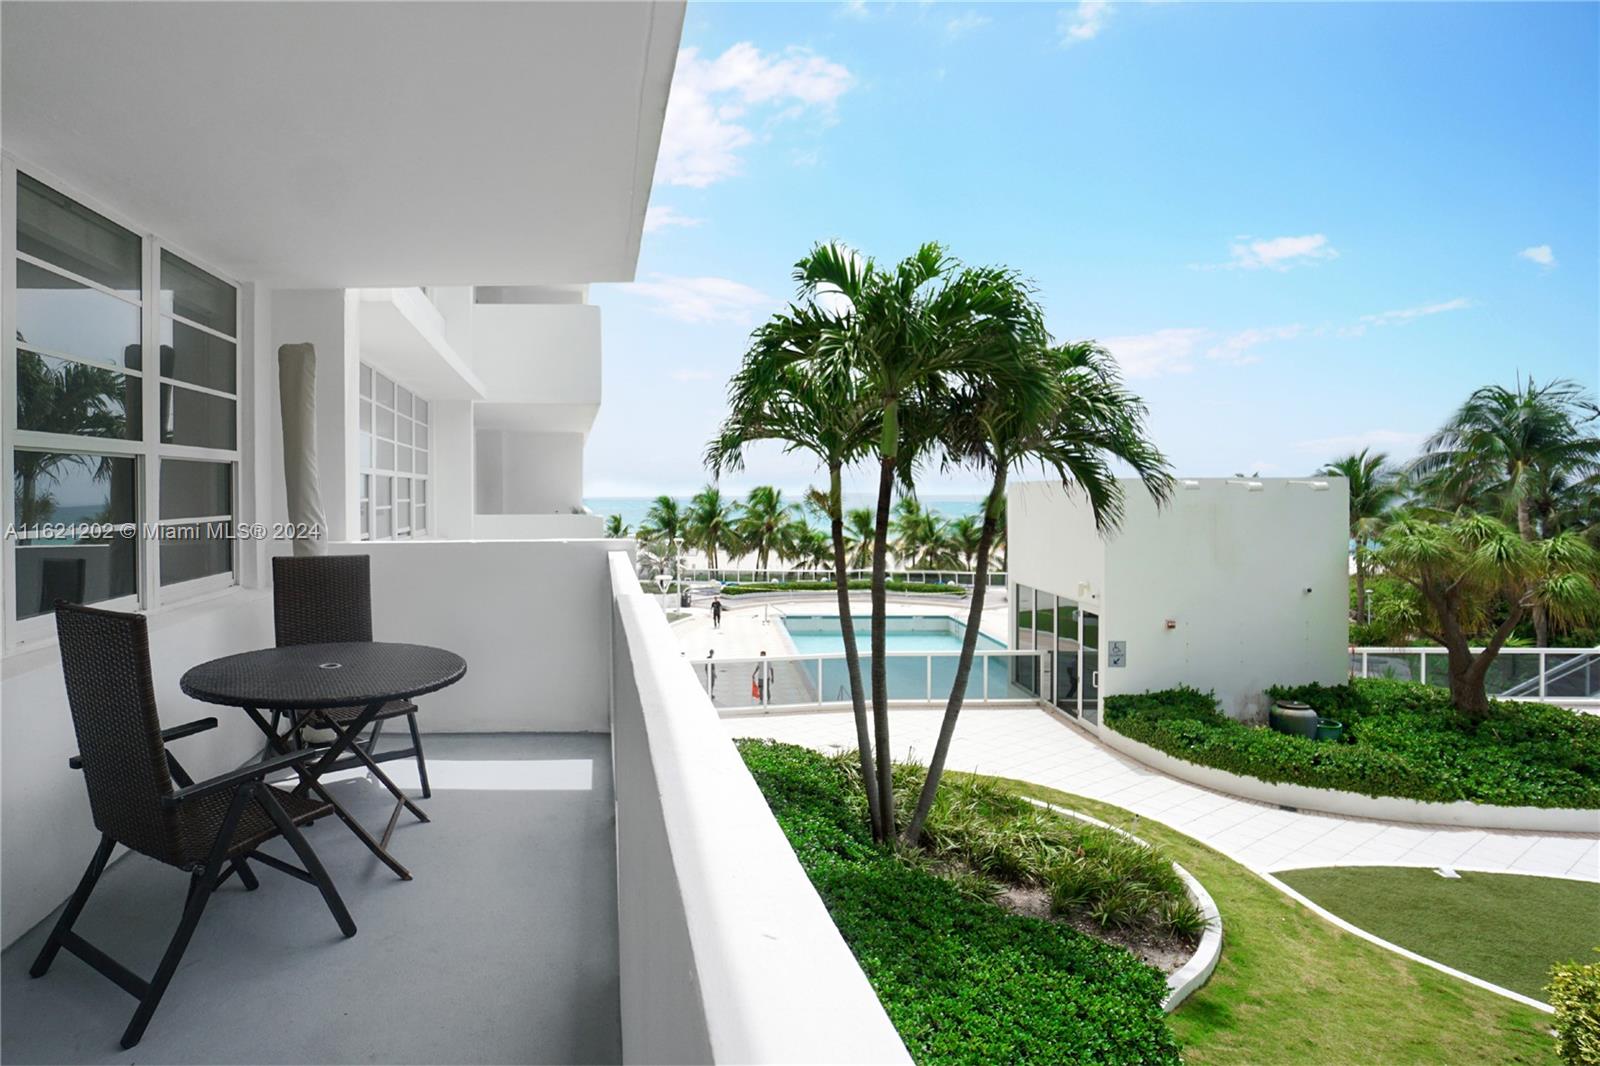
[[662, 529], [1507, 447], [1065, 409], [761, 522], [858, 535], [910, 332], [709, 524], [616, 528], [1374, 491], [780, 394], [965, 534], [807, 546], [71, 398]]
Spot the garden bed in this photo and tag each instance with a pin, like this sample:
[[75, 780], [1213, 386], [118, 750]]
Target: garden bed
[[1401, 740], [964, 977]]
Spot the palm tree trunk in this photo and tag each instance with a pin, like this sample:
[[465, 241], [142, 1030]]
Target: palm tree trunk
[[880, 666], [1361, 585], [852, 654], [1541, 618], [969, 647]]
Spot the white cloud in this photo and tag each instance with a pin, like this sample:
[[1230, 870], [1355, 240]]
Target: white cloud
[[1408, 314], [1083, 22], [1149, 355], [1235, 348], [1539, 253], [705, 131], [1280, 253], [856, 9], [964, 24], [663, 216], [1400, 442], [702, 299]]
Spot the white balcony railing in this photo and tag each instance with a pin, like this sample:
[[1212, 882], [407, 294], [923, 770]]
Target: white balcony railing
[[1568, 676], [793, 682]]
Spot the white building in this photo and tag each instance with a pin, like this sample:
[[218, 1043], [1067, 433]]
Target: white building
[[1235, 585], [424, 192]]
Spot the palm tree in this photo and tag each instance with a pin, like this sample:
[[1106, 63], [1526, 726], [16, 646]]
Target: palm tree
[[1064, 408], [858, 535], [761, 523], [965, 534], [778, 395], [616, 528], [1374, 490], [1507, 447], [71, 399], [807, 546], [661, 532], [910, 332], [709, 525]]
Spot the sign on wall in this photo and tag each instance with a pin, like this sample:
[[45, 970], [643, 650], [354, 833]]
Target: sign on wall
[[1117, 653]]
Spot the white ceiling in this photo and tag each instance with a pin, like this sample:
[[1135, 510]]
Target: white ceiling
[[354, 144]]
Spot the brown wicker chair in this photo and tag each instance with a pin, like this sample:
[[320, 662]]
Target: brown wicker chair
[[327, 599], [141, 797]]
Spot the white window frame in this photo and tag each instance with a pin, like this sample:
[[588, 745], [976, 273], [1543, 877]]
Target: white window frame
[[369, 472], [147, 452]]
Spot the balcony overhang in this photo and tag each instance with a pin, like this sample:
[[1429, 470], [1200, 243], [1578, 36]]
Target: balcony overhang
[[353, 145], [535, 417], [402, 334]]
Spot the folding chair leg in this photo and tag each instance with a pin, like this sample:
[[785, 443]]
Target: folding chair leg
[[422, 765], [199, 895], [241, 866], [97, 866], [308, 859]]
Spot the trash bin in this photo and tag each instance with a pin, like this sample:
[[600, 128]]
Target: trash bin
[[1294, 718]]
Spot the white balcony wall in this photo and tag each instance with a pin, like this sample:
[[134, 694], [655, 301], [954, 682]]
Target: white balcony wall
[[727, 954], [538, 526], [528, 472], [543, 354]]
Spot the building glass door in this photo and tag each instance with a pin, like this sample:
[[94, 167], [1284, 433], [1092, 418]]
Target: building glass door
[[1089, 667]]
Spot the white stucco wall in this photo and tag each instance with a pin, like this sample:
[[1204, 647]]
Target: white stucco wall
[[1253, 581], [525, 472]]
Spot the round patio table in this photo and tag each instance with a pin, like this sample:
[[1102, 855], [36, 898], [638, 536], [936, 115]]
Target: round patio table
[[311, 677]]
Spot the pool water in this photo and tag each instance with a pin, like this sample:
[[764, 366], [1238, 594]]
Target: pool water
[[821, 634]]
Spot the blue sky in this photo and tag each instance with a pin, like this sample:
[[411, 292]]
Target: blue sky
[[1301, 228]]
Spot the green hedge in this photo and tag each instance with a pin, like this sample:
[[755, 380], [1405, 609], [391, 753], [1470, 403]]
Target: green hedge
[[828, 586], [963, 980], [1401, 739], [1575, 994]]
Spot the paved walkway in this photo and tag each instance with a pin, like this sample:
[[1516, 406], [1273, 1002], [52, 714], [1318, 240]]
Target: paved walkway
[[1032, 745]]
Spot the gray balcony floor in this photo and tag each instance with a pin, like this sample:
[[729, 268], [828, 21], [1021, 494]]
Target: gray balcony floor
[[502, 950]]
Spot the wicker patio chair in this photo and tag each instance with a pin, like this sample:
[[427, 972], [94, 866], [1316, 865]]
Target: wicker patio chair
[[327, 599], [141, 797]]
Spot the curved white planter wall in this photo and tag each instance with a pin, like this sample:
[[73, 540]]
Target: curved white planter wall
[[1352, 804]]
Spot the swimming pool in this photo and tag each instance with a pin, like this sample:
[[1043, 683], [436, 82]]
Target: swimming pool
[[822, 634]]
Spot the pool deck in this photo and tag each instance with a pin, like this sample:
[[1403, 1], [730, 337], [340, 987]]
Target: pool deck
[[747, 630]]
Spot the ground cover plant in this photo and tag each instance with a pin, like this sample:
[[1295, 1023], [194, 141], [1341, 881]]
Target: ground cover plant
[[1291, 988], [1401, 739], [828, 586], [963, 980], [1575, 994], [1508, 929]]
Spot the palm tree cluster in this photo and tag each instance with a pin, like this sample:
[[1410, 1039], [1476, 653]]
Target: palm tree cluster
[[927, 363], [1496, 521], [762, 524]]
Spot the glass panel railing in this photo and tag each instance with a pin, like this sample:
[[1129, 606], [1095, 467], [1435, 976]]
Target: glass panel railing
[[823, 680], [1401, 666], [1573, 677]]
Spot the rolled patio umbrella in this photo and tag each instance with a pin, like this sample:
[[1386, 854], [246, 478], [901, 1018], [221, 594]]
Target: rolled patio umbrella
[[297, 398]]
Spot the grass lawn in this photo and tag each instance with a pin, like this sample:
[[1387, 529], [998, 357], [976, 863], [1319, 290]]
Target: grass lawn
[[1292, 988], [1503, 928]]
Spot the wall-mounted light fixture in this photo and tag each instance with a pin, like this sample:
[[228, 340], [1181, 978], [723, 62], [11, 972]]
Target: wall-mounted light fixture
[[1250, 486], [1316, 486]]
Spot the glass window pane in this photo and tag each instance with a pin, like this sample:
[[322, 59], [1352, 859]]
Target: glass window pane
[[420, 491], [366, 486], [402, 428], [61, 396], [193, 551], [382, 525], [385, 487], [62, 231], [402, 458], [419, 410], [422, 462], [421, 436], [63, 316], [402, 488], [419, 519], [366, 517], [366, 381], [385, 457], [198, 357], [192, 293], [366, 415], [385, 389], [1044, 615], [76, 564], [197, 419], [402, 401], [366, 450], [385, 422], [402, 515], [195, 490]]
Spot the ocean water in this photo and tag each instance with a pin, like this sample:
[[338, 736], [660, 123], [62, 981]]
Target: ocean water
[[634, 508]]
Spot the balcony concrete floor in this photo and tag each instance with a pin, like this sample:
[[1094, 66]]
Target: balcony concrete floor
[[502, 950]]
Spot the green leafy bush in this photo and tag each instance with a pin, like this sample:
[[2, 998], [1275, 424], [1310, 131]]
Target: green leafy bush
[[963, 980], [1575, 994], [1401, 739], [828, 586]]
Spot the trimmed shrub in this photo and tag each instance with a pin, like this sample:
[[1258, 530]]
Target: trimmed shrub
[[1401, 739], [1575, 994], [963, 980], [828, 586]]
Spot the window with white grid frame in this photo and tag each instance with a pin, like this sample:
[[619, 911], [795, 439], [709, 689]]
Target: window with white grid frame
[[100, 438], [396, 462]]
